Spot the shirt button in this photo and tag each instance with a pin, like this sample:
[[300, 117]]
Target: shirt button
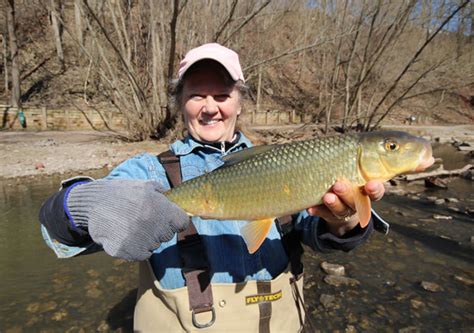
[[222, 303]]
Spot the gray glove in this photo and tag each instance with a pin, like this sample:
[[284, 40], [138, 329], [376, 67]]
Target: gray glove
[[129, 218]]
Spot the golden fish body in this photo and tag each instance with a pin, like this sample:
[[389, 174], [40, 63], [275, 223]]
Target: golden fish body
[[280, 181], [265, 182]]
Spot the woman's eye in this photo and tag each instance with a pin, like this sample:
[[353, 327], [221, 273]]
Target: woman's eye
[[196, 97], [221, 97]]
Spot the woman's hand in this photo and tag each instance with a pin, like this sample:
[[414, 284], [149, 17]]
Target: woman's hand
[[129, 218], [338, 207]]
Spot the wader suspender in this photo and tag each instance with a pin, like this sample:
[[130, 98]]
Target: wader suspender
[[294, 250], [192, 252], [196, 267]]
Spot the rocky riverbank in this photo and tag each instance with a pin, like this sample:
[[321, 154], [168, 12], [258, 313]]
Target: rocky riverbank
[[49, 152], [28, 153]]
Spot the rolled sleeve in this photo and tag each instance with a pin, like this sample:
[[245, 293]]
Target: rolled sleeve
[[54, 217], [66, 251], [58, 231], [325, 241], [315, 234]]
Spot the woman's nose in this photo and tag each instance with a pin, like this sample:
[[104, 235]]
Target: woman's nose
[[211, 105]]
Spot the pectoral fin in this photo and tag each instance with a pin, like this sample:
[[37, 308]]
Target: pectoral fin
[[362, 205], [255, 232]]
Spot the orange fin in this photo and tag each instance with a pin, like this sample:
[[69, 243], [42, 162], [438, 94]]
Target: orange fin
[[362, 205], [255, 232]]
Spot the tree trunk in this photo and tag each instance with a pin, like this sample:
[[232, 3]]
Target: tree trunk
[[78, 22], [259, 88], [169, 119], [15, 92], [471, 30], [5, 62], [57, 25], [158, 73]]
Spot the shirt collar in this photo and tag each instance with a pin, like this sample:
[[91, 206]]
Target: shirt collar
[[189, 144]]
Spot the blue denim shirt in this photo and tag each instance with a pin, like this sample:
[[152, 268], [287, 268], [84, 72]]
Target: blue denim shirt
[[228, 256]]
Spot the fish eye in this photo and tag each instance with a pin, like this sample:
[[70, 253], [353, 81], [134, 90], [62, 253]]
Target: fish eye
[[391, 146]]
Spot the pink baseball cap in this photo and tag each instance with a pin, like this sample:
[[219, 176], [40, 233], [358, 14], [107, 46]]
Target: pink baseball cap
[[226, 57]]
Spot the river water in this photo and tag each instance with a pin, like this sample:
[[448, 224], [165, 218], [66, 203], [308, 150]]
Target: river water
[[418, 278]]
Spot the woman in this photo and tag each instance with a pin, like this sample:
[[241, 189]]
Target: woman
[[203, 277]]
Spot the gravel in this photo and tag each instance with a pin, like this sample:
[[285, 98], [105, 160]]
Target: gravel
[[45, 153]]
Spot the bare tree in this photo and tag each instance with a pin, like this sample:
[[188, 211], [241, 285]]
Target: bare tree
[[5, 61], [56, 13], [247, 20], [15, 66], [415, 81], [374, 60], [78, 22], [133, 48], [341, 62], [225, 24]]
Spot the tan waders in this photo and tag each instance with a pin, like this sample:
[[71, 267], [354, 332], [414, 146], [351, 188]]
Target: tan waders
[[254, 306]]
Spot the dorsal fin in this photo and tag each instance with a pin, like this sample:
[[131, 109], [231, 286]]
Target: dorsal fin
[[245, 154]]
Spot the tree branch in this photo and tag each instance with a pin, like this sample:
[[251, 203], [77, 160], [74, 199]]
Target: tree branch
[[295, 51], [226, 22], [412, 60], [244, 23]]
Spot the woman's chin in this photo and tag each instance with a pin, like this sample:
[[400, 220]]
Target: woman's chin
[[212, 137], [213, 134]]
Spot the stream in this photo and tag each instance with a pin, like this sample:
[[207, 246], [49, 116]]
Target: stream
[[418, 278]]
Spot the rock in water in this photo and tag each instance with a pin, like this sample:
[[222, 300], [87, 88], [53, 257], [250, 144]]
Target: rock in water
[[431, 286], [333, 269]]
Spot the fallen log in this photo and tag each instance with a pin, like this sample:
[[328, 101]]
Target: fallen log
[[466, 148], [440, 172]]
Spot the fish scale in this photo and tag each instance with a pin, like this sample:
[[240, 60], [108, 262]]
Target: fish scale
[[281, 181]]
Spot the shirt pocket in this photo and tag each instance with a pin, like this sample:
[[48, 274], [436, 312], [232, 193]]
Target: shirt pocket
[[189, 171]]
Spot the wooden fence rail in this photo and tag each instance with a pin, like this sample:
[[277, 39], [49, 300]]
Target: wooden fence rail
[[43, 118], [272, 116]]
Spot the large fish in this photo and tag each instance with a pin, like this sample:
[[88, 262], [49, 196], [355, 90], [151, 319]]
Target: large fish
[[262, 183]]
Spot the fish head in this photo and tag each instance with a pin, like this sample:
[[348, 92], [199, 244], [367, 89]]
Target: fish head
[[386, 154]]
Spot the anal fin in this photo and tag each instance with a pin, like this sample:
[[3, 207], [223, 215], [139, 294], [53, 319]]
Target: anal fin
[[362, 205], [255, 232]]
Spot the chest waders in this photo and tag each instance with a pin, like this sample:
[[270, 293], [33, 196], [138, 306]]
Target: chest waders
[[252, 306]]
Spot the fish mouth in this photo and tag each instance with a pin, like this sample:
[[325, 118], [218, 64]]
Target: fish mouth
[[425, 164], [426, 161]]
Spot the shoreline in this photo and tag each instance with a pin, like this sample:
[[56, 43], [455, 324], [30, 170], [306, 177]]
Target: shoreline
[[35, 154], [31, 154]]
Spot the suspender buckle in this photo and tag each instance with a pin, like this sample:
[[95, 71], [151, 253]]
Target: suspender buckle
[[209, 323]]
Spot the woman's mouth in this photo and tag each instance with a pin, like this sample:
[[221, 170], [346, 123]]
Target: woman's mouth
[[209, 122]]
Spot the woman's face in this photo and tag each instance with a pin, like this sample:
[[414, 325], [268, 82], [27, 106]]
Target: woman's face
[[211, 104]]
